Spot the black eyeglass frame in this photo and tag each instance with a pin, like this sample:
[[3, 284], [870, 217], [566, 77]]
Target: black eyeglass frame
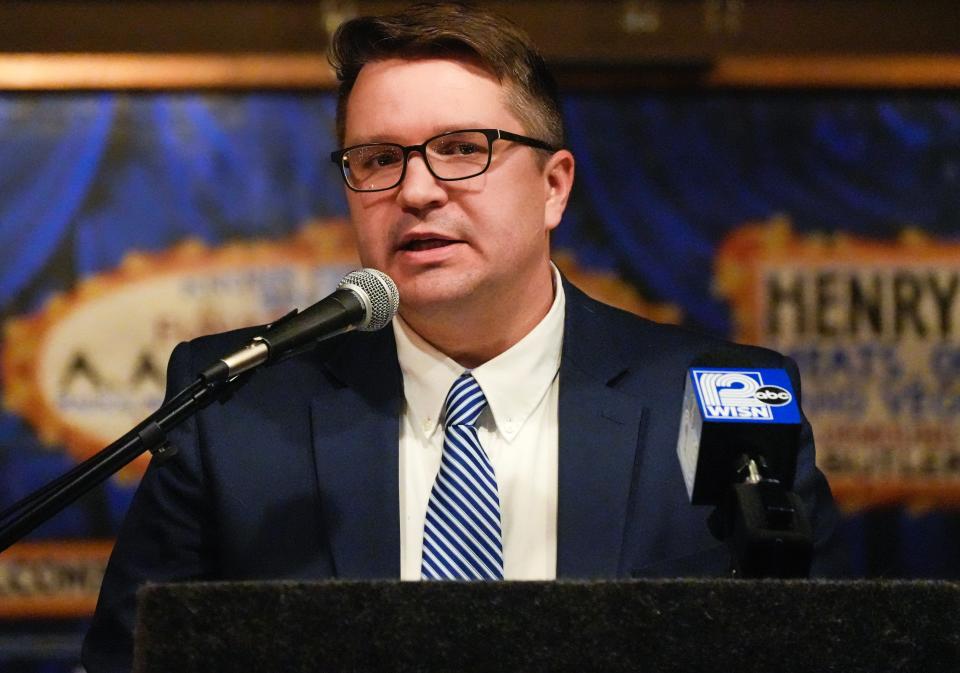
[[491, 134]]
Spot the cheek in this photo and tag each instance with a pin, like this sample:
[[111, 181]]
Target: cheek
[[523, 219], [524, 200], [369, 248], [370, 237], [516, 214]]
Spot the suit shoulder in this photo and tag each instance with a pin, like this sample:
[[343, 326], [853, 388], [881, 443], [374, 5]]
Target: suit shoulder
[[633, 337]]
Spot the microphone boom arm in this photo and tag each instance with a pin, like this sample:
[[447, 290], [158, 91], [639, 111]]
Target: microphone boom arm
[[149, 435]]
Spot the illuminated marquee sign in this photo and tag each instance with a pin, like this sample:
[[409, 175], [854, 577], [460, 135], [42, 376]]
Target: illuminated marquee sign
[[875, 329]]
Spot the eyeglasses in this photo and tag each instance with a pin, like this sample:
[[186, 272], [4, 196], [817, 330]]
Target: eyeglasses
[[455, 155]]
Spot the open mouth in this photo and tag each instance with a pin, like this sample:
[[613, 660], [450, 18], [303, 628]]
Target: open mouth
[[426, 244]]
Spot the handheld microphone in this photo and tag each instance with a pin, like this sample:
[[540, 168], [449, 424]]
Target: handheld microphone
[[365, 300]]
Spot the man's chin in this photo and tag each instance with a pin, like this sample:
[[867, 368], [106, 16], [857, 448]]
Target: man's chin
[[427, 296]]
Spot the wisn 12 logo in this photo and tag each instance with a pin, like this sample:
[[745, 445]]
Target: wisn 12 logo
[[745, 395]]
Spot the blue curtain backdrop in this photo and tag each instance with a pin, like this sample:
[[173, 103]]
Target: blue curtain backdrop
[[661, 179]]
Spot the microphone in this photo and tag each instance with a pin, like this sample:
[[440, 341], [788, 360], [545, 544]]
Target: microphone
[[732, 414], [738, 443], [365, 300]]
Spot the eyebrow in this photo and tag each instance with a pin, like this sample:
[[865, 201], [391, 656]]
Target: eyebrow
[[437, 130]]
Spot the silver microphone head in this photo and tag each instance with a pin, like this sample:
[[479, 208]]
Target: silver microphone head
[[378, 293]]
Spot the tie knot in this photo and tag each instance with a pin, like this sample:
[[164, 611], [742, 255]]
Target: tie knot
[[465, 402]]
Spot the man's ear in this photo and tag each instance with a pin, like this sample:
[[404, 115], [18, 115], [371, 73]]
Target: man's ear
[[557, 183]]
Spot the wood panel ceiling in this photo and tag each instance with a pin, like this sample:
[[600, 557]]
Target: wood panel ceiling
[[597, 44]]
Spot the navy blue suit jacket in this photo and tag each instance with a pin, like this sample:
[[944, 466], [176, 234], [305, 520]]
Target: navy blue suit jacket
[[297, 475]]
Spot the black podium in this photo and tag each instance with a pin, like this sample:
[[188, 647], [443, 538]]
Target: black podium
[[722, 626]]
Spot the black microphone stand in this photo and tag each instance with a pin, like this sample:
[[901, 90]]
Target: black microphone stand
[[149, 435], [764, 525]]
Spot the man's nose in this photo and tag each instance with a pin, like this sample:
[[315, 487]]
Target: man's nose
[[420, 189]]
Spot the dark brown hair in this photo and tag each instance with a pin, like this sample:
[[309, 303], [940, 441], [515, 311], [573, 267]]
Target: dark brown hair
[[454, 30]]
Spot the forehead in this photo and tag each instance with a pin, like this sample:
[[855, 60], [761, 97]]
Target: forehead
[[407, 100]]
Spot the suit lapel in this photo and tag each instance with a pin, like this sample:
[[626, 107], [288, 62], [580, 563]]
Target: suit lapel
[[599, 427], [356, 430]]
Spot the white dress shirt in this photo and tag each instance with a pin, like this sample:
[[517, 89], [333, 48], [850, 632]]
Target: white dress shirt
[[518, 430]]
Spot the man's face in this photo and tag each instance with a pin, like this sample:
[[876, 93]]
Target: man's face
[[447, 244]]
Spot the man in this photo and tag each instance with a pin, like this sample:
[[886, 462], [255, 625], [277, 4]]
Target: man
[[506, 425]]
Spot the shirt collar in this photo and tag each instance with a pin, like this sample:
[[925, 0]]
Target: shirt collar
[[514, 382]]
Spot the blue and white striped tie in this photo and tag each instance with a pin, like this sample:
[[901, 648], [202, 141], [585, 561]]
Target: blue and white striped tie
[[461, 534]]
